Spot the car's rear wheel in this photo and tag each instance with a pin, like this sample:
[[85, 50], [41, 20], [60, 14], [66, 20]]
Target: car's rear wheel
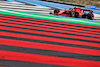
[[84, 16], [90, 16], [76, 15]]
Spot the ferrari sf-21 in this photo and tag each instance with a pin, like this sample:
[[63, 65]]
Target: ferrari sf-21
[[75, 12]]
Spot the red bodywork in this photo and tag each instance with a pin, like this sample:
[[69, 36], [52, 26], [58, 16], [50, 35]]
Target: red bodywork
[[62, 13]]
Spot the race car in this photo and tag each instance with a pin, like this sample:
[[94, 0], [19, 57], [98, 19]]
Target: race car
[[76, 12]]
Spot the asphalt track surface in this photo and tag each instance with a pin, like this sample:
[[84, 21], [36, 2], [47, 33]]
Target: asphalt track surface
[[25, 8], [27, 42]]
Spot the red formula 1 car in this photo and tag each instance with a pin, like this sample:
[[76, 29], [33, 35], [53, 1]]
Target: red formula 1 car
[[76, 12]]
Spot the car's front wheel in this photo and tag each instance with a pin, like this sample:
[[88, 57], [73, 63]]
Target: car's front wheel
[[56, 11], [72, 14]]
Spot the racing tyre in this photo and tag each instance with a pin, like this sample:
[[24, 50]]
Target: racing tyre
[[90, 16], [56, 11], [72, 14], [83, 16], [76, 15]]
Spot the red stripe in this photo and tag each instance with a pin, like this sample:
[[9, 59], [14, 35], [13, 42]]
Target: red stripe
[[50, 30], [62, 25], [50, 39], [18, 56], [36, 45], [3, 66], [49, 21], [44, 25], [49, 33]]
